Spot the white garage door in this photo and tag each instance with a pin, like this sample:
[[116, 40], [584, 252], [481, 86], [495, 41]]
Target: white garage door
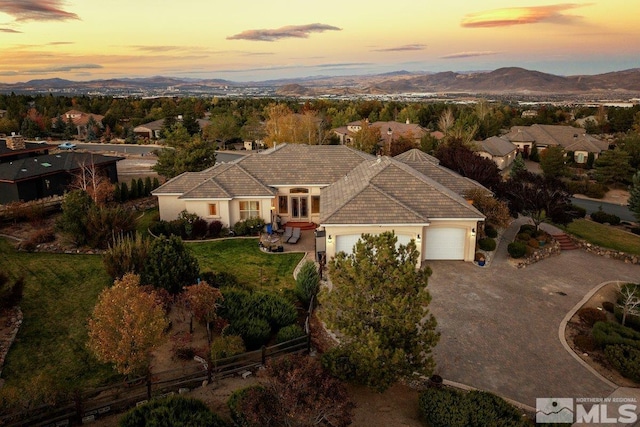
[[347, 242], [445, 243]]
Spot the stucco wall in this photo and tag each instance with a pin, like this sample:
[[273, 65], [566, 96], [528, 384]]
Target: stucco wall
[[170, 206]]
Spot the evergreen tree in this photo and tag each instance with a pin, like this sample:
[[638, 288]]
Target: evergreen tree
[[518, 165], [552, 162], [133, 190], [124, 192], [140, 187], [634, 196], [170, 265], [379, 303], [147, 186], [156, 183]]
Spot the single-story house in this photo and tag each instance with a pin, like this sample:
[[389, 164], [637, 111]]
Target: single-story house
[[343, 191], [502, 151], [32, 178], [389, 131], [79, 120], [152, 130], [569, 138]]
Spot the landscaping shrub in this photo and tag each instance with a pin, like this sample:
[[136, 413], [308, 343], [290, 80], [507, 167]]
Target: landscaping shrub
[[625, 359], [533, 243], [527, 228], [609, 306], [184, 353], [172, 411], [603, 217], [490, 231], [200, 228], [337, 361], [10, 294], [236, 304], [487, 244], [585, 342], [237, 401], [215, 228], [43, 235], [219, 280], [226, 346], [307, 282], [255, 331], [276, 309], [104, 223], [578, 211], [632, 320], [441, 407], [524, 236], [170, 265], [517, 249], [249, 227], [610, 333], [590, 315], [635, 230], [289, 333], [126, 254]]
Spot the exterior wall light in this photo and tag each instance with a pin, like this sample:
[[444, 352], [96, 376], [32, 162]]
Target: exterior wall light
[[473, 232], [418, 239], [329, 239]]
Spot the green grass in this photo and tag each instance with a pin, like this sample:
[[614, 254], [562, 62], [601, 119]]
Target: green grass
[[251, 266], [149, 217], [61, 290], [605, 236], [59, 296]]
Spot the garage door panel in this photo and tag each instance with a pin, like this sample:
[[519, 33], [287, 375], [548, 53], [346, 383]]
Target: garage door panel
[[346, 243], [444, 243]]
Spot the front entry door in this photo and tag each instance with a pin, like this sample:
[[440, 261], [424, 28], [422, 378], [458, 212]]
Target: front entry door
[[299, 207]]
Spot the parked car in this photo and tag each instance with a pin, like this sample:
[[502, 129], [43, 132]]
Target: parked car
[[67, 146]]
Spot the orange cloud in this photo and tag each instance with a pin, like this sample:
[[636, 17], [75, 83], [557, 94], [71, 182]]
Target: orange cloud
[[522, 15]]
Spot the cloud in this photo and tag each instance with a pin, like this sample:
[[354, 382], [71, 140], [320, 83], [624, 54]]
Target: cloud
[[406, 47], [522, 15], [61, 68], [9, 30], [36, 10], [291, 31], [59, 43], [468, 54], [157, 48]]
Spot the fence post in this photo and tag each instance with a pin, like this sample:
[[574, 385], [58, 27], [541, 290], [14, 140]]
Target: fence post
[[149, 387], [264, 355]]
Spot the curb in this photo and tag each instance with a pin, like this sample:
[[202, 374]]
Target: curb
[[563, 340]]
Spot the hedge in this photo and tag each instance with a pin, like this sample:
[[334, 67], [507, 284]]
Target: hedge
[[487, 244], [517, 249], [445, 407], [625, 359], [610, 333], [603, 217]]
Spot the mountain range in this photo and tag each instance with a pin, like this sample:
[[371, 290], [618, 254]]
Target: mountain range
[[510, 80]]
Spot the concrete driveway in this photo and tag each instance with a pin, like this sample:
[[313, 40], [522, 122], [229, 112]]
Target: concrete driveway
[[499, 324]]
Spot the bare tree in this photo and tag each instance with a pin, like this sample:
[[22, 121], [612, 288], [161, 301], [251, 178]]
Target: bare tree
[[93, 181], [629, 300]]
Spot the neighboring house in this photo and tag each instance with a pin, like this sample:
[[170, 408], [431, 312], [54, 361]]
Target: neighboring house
[[79, 120], [568, 137], [33, 178], [529, 114], [345, 191], [388, 131], [3, 113], [152, 130], [15, 147], [500, 150]]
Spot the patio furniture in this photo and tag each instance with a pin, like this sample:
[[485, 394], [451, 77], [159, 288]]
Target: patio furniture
[[288, 232], [295, 236]]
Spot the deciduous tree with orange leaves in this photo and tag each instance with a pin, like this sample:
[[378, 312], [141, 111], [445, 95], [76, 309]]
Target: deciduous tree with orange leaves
[[203, 302], [126, 325]]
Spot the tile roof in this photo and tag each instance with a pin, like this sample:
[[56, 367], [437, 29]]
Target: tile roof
[[31, 167], [430, 167], [228, 181], [388, 191], [547, 135], [497, 146]]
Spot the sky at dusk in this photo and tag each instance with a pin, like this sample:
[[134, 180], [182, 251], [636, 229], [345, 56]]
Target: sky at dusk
[[263, 40]]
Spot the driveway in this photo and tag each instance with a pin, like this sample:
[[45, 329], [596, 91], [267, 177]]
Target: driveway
[[499, 324]]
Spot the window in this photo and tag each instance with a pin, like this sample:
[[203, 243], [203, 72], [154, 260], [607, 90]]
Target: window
[[299, 191], [283, 205], [315, 204], [249, 209], [213, 210]]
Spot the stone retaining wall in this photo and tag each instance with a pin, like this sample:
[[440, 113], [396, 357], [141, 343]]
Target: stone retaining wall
[[14, 320], [548, 250], [604, 252]]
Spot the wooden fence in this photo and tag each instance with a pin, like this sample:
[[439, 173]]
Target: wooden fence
[[93, 404]]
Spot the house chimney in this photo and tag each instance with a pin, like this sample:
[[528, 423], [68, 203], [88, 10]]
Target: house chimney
[[408, 121], [15, 142]]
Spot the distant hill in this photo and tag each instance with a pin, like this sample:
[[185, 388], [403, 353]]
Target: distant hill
[[508, 80]]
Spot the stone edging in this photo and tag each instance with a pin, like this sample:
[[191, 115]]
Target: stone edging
[[547, 251], [563, 340], [15, 318], [604, 252]]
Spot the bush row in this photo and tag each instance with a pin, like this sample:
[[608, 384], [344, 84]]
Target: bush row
[[588, 188], [445, 407], [603, 217], [610, 333], [135, 189]]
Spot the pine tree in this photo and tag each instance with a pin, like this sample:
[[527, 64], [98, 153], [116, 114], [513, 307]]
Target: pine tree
[[133, 190], [140, 187], [634, 196], [518, 165], [124, 192], [147, 186]]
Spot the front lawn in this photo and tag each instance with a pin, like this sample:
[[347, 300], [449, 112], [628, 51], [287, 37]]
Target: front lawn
[[605, 236], [244, 259]]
